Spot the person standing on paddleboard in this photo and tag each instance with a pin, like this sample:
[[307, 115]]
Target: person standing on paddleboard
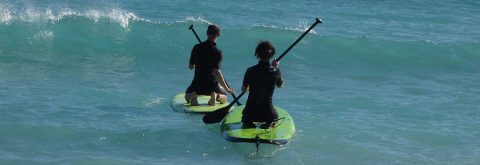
[[205, 59], [260, 80]]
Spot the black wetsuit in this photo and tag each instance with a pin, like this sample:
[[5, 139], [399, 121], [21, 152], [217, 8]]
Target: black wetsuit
[[206, 57], [261, 80]]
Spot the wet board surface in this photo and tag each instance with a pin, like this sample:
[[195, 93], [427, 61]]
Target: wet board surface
[[281, 133], [179, 103]]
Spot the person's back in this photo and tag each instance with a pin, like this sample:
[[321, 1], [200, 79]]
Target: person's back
[[260, 80], [206, 58]]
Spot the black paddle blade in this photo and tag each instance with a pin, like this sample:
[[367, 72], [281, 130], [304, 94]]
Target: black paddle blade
[[216, 116]]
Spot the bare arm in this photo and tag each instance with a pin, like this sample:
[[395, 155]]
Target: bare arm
[[219, 77], [279, 82], [244, 88]]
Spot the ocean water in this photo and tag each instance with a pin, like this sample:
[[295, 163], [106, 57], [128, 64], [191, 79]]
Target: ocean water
[[379, 82]]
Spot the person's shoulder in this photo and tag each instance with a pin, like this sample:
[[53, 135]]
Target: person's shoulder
[[216, 49], [251, 68], [203, 44], [196, 46], [217, 52], [206, 43]]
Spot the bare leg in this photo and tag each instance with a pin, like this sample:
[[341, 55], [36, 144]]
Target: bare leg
[[213, 97], [222, 98]]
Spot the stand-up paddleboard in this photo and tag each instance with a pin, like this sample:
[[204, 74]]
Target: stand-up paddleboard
[[179, 103], [281, 133]]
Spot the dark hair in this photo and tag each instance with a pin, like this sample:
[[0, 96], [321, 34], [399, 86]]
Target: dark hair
[[213, 30], [264, 50]]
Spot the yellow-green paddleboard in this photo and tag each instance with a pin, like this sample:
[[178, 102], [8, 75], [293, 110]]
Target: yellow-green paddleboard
[[281, 133], [179, 103]]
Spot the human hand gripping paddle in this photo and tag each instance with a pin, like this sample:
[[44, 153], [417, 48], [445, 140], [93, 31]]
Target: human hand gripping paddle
[[200, 41], [217, 115]]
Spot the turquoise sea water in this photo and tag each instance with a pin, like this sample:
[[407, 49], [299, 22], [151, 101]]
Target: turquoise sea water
[[379, 82]]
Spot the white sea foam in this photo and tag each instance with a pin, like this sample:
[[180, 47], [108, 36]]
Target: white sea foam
[[5, 14], [122, 17], [197, 19], [300, 27], [189, 19], [44, 35], [5, 18], [154, 102], [118, 15]]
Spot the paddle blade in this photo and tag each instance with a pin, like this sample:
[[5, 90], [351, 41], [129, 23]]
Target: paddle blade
[[216, 116]]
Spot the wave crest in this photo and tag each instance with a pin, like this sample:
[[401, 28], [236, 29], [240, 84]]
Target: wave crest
[[122, 17], [302, 27]]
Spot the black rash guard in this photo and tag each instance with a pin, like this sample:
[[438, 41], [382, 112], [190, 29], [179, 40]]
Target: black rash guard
[[206, 57], [261, 80]]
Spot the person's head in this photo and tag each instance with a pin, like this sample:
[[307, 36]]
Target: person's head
[[213, 31], [264, 50]]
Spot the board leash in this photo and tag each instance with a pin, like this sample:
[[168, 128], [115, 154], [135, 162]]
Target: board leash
[[275, 125]]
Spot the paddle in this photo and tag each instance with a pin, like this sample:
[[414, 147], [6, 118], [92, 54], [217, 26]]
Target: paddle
[[200, 41], [217, 115], [195, 33]]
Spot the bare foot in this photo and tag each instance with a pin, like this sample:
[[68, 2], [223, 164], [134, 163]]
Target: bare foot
[[192, 98], [211, 102], [222, 98], [194, 102]]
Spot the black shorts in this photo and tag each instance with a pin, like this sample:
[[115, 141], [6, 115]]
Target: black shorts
[[204, 90], [259, 113]]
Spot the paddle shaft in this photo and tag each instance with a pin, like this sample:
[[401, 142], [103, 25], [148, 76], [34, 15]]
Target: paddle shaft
[[317, 21], [218, 115], [236, 99], [200, 41], [195, 33]]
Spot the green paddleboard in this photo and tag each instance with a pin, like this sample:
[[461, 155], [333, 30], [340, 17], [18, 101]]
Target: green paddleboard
[[179, 103], [280, 134]]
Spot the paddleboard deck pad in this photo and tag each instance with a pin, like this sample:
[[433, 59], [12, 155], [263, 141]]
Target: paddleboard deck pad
[[281, 133], [179, 103]]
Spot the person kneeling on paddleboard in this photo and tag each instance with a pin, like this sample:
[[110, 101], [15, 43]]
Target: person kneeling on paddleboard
[[260, 80], [205, 59]]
